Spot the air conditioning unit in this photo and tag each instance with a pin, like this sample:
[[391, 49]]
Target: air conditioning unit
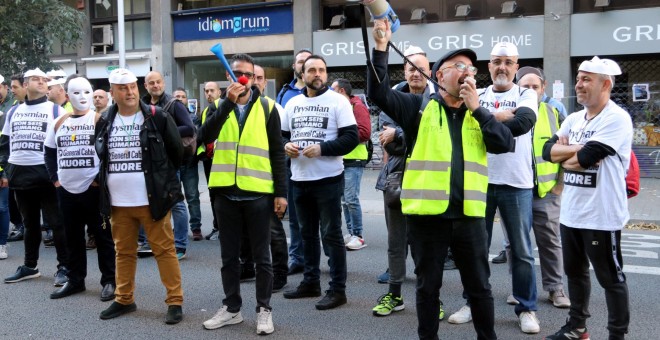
[[102, 35]]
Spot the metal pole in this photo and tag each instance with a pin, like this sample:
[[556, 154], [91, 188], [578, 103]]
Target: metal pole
[[120, 34]]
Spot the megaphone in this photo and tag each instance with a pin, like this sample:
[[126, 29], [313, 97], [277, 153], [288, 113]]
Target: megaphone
[[217, 50], [380, 9]]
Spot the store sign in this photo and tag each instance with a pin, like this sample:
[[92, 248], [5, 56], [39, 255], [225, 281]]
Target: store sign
[[341, 47], [616, 32], [233, 24], [101, 69]]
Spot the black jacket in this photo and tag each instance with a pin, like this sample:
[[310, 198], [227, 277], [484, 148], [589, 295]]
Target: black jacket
[[404, 109], [178, 111], [211, 128], [161, 158]]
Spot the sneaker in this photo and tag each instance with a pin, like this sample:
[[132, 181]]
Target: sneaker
[[441, 315], [144, 250], [512, 300], [60, 276], [559, 299], [501, 258], [529, 323], [264, 321], [387, 304], [213, 236], [17, 234], [223, 318], [197, 235], [91, 242], [3, 251], [23, 273], [247, 273], [279, 281], [49, 241], [384, 277], [569, 332], [347, 238], [356, 243], [304, 290], [464, 315], [332, 299], [180, 254]]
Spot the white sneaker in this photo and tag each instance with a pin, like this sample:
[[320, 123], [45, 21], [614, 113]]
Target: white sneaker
[[223, 318], [356, 243], [463, 315], [347, 238], [529, 323], [264, 321], [3, 251], [512, 300]]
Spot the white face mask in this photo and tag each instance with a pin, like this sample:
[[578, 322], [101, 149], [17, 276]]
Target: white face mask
[[80, 94]]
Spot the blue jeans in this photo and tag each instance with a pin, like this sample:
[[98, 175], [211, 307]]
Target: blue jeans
[[4, 215], [516, 212], [190, 180], [296, 256], [351, 199], [319, 209]]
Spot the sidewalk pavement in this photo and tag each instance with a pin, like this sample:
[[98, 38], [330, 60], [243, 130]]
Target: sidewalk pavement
[[643, 208]]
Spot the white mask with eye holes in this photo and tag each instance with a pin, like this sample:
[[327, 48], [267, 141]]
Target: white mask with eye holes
[[80, 93]]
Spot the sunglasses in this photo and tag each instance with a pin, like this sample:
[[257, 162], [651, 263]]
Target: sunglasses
[[240, 74]]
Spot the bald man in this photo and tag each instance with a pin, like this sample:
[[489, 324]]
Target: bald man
[[101, 100]]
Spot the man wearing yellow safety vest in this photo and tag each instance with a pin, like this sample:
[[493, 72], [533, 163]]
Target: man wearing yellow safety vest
[[249, 184], [545, 206], [354, 163], [445, 181]]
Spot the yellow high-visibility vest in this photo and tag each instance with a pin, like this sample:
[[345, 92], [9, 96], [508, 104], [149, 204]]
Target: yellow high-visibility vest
[[359, 153], [427, 178], [243, 158], [546, 126]]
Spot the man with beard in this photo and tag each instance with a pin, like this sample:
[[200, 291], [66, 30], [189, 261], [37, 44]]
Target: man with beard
[[511, 180], [249, 185], [319, 128], [68, 137], [296, 87], [155, 85], [443, 193]]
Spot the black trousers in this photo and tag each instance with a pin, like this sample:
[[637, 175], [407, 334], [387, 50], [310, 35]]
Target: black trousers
[[234, 217], [430, 238], [78, 211], [206, 164], [31, 202], [278, 248], [603, 250], [14, 214]]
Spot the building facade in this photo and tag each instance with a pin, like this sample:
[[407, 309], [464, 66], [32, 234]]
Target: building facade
[[174, 37]]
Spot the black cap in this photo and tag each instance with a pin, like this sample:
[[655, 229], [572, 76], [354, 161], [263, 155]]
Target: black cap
[[463, 51], [530, 70]]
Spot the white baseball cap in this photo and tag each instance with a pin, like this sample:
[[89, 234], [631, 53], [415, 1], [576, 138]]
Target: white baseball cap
[[56, 74], [58, 81], [412, 50], [602, 66], [504, 49], [122, 76], [35, 73]]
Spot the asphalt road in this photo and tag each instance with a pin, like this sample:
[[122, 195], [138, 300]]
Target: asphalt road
[[27, 311]]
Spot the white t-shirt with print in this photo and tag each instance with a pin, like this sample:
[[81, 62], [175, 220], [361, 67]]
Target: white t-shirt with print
[[596, 197], [313, 121], [125, 175], [511, 168], [77, 162], [27, 132]]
